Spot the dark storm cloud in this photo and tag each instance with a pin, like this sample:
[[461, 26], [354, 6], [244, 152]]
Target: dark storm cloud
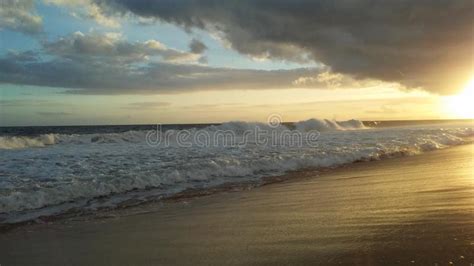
[[197, 46], [418, 43], [20, 15]]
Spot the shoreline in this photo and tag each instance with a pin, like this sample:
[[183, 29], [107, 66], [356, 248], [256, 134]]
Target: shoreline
[[121, 172], [193, 193], [416, 208]]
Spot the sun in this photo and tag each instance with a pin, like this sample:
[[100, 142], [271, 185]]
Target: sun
[[462, 104]]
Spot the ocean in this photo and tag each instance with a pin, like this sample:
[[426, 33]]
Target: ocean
[[50, 171]]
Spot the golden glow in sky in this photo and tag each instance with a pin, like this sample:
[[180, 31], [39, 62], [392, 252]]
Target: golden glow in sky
[[462, 104]]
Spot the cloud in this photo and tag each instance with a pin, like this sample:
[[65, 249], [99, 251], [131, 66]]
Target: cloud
[[111, 46], [197, 47], [20, 15], [91, 76], [147, 105], [54, 113], [95, 13], [417, 43], [86, 9], [207, 107], [108, 64], [26, 56], [332, 80], [28, 102]]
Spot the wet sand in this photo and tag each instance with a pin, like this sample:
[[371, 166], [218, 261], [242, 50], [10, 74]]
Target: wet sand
[[405, 211]]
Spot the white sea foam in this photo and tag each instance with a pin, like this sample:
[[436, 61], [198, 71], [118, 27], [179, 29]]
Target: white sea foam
[[238, 127], [14, 142], [44, 140], [324, 125], [80, 168]]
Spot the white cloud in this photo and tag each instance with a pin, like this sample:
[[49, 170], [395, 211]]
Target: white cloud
[[94, 12], [330, 79], [86, 9], [20, 15]]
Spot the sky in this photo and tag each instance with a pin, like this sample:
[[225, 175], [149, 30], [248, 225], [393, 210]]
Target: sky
[[86, 62]]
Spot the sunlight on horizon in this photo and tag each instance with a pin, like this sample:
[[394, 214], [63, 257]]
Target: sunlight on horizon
[[460, 105]]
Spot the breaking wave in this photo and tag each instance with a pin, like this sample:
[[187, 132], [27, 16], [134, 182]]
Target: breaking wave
[[90, 171], [324, 125], [21, 142]]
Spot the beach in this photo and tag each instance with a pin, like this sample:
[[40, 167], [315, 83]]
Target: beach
[[399, 211], [201, 132]]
